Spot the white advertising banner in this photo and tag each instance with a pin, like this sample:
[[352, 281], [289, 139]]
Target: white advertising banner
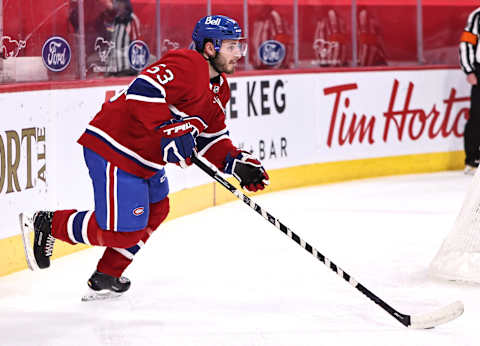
[[297, 119], [25, 145], [284, 119]]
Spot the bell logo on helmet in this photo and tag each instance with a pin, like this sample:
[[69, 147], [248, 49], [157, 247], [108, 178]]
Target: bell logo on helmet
[[216, 28], [210, 21]]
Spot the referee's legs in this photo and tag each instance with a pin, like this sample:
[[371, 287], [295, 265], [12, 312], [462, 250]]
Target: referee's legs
[[471, 137]]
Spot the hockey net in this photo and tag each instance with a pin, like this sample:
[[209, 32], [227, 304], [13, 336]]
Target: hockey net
[[459, 255]]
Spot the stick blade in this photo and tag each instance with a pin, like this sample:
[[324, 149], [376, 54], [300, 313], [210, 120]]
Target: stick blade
[[435, 318]]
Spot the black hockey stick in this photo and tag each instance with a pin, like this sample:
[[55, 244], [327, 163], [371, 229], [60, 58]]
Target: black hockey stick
[[423, 321]]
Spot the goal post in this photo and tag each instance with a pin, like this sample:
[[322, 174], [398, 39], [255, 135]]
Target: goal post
[[459, 256]]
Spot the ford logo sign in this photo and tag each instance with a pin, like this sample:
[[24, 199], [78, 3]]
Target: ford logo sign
[[56, 53], [271, 52], [138, 55]]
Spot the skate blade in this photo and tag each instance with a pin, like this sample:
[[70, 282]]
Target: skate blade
[[92, 295], [26, 225]]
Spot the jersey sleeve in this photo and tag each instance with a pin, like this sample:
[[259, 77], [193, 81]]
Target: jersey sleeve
[[163, 83], [215, 144], [215, 147], [469, 41]]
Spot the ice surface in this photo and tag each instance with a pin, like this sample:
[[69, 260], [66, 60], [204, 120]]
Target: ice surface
[[225, 276]]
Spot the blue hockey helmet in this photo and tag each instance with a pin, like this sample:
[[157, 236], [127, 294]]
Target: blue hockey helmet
[[216, 28]]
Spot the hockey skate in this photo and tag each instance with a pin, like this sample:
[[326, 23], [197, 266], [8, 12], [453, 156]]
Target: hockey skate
[[103, 286], [40, 224], [470, 170]]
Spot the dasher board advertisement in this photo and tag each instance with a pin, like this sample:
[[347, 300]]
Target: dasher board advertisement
[[285, 119]]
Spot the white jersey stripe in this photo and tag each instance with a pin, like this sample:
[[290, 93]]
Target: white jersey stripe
[[115, 199], [464, 59], [178, 112], [124, 252], [474, 23], [209, 145], [70, 227], [471, 18], [209, 135], [107, 195], [85, 227], [120, 147], [145, 98]]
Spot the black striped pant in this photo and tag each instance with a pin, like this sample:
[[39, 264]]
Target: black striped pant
[[471, 138]]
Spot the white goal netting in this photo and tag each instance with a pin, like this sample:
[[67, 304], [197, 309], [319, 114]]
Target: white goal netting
[[459, 255]]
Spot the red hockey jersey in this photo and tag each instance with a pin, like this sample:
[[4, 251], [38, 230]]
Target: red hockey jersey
[[124, 132]]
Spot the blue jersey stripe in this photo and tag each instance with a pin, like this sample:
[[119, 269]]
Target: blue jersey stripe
[[77, 226], [143, 88], [202, 142], [134, 249]]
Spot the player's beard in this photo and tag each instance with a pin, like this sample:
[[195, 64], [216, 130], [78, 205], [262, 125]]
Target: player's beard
[[223, 65]]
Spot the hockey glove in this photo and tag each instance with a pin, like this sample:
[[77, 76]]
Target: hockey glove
[[248, 171], [178, 139]]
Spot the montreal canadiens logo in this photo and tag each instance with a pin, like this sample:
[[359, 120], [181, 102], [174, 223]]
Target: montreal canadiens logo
[[56, 54], [138, 211], [138, 55], [271, 52]]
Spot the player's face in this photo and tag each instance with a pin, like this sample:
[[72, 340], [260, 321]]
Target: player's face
[[229, 54]]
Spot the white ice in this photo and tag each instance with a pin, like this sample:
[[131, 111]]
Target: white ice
[[225, 276]]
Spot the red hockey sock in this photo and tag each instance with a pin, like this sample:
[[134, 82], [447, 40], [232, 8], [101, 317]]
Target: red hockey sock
[[64, 228], [113, 263], [59, 225], [158, 213]]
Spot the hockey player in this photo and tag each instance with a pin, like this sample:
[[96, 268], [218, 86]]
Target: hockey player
[[174, 108]]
